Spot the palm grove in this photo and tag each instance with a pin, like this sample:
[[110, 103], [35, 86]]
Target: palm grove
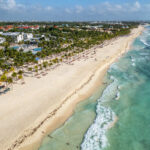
[[62, 43]]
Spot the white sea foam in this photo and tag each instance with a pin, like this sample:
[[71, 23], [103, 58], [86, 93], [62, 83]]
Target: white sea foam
[[132, 59], [146, 32], [114, 67], [143, 40], [95, 138], [117, 95], [119, 87]]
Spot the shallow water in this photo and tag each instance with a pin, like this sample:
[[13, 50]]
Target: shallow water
[[127, 96], [130, 102], [70, 135], [132, 131]]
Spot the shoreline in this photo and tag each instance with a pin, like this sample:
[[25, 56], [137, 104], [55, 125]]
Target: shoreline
[[31, 138]]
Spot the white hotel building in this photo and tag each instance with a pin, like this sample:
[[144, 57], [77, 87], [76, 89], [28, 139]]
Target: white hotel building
[[18, 37], [2, 40]]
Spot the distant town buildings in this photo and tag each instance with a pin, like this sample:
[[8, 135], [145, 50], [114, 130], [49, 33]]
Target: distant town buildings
[[6, 28], [10, 27], [36, 27]]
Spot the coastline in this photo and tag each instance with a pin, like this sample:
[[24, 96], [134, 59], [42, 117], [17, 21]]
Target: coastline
[[31, 138]]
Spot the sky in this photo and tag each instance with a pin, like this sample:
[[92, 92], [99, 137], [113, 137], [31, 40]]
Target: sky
[[74, 10]]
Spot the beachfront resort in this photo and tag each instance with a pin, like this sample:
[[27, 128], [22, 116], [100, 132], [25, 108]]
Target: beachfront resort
[[74, 75], [31, 50]]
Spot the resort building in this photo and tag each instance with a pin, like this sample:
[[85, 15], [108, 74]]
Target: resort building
[[27, 36], [17, 36], [2, 40]]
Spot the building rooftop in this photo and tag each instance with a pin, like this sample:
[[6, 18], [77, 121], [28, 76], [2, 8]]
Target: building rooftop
[[11, 33]]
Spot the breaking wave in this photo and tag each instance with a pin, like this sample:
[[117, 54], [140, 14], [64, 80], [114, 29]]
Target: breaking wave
[[95, 138], [143, 40]]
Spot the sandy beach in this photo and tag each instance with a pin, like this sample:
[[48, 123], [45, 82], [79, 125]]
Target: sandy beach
[[28, 112]]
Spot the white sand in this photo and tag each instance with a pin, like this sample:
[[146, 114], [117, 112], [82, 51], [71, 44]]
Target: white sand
[[29, 111]]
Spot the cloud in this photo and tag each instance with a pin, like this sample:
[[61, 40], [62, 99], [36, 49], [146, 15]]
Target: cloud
[[67, 10], [107, 7], [76, 10], [107, 4], [11, 9], [9, 5], [79, 9], [118, 6], [49, 8], [137, 5]]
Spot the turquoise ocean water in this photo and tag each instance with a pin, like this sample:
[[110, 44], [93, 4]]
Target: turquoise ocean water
[[127, 97]]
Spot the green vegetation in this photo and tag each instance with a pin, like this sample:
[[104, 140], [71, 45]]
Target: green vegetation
[[63, 39]]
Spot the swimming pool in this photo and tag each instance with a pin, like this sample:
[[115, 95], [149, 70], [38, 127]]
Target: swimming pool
[[15, 47], [37, 49]]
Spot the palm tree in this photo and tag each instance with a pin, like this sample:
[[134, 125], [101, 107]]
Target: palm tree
[[9, 80], [30, 69], [12, 69], [45, 64], [36, 69], [20, 72], [20, 77], [3, 78], [14, 75]]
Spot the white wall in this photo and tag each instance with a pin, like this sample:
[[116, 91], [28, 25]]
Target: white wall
[[19, 38], [2, 40], [28, 36]]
